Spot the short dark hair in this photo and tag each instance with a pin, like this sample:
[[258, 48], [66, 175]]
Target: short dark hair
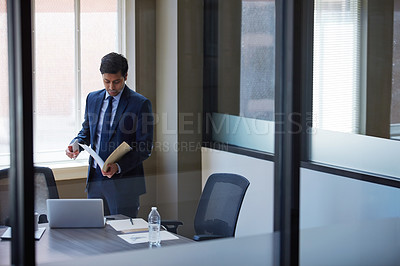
[[113, 63]]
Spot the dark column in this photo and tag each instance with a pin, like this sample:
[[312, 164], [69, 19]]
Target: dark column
[[21, 140], [294, 25]]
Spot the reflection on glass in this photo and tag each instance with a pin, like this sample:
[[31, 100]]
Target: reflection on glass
[[356, 87], [356, 79], [257, 64], [395, 106], [359, 152], [4, 104], [4, 124], [246, 75]]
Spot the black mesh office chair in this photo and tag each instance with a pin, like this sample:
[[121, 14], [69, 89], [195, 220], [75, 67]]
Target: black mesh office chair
[[219, 207], [45, 188]]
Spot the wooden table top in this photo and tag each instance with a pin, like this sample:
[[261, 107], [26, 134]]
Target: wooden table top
[[66, 244]]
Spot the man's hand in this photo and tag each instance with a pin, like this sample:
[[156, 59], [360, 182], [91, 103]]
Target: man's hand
[[70, 153], [111, 170]]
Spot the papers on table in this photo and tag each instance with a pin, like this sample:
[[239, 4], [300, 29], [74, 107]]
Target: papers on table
[[137, 238], [135, 231], [38, 233], [129, 225]]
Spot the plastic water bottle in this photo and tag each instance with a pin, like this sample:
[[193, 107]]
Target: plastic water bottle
[[154, 227]]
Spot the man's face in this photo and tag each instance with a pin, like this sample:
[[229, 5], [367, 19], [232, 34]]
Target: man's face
[[114, 83]]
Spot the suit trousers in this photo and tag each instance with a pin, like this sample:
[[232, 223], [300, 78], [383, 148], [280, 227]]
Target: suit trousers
[[102, 187]]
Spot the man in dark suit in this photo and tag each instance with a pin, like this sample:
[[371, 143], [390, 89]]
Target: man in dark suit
[[114, 115]]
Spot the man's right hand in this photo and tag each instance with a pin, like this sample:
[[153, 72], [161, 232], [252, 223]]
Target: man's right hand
[[71, 154]]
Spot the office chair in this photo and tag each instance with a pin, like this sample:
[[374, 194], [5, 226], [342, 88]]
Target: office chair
[[45, 188], [218, 209]]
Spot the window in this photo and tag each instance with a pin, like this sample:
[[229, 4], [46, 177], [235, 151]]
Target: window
[[336, 78], [355, 88], [257, 60], [70, 37], [246, 75]]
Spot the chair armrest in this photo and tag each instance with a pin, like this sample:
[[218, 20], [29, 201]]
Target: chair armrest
[[206, 237], [171, 225], [43, 219]]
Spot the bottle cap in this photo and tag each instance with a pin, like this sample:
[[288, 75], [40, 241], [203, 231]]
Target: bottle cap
[[154, 208]]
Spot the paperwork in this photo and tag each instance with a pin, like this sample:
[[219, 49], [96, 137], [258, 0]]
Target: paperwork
[[130, 225], [136, 231], [137, 238], [114, 157], [38, 233]]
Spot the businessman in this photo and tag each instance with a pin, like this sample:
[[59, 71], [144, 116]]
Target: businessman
[[113, 115]]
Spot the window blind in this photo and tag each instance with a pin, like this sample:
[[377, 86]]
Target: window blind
[[336, 78]]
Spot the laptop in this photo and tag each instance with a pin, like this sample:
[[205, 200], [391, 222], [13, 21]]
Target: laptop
[[75, 213]]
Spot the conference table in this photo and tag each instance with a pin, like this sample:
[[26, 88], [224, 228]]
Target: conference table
[[58, 245]]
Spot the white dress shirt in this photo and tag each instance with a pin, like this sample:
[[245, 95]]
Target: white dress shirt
[[101, 118]]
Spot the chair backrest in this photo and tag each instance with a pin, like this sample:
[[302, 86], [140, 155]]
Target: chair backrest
[[45, 188], [219, 205]]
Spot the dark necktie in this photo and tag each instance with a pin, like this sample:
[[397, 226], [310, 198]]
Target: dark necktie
[[105, 132]]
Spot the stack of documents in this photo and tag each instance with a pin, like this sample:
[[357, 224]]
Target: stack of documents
[[135, 231]]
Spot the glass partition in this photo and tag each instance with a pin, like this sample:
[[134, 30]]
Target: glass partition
[[246, 75], [4, 100], [4, 124], [246, 105], [355, 88], [347, 217], [358, 152], [395, 103]]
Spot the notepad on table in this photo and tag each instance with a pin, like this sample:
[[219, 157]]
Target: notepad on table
[[129, 225]]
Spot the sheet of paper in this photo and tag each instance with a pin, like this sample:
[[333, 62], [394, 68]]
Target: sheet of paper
[[114, 157], [95, 156], [125, 225], [38, 233], [137, 238]]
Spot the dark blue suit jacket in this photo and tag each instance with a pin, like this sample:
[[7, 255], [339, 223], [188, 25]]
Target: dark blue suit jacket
[[133, 123]]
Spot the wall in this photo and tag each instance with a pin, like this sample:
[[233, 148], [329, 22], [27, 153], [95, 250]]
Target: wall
[[72, 189], [256, 214], [167, 109], [141, 30], [190, 109], [325, 199], [379, 68], [229, 48]]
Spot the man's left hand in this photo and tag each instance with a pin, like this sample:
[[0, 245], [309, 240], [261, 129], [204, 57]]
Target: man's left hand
[[111, 170]]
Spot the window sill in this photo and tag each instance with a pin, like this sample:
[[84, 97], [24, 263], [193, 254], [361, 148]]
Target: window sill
[[68, 170]]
